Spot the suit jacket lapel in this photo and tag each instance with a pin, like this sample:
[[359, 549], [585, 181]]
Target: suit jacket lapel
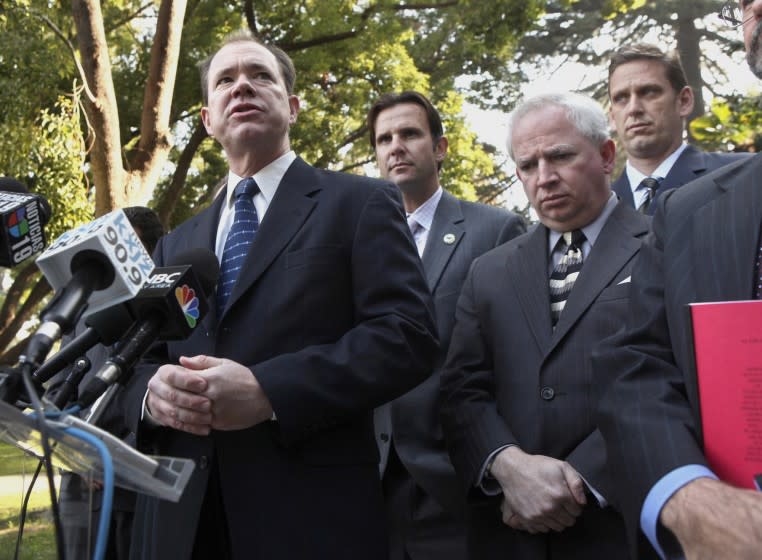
[[204, 234], [448, 221], [688, 167], [729, 247], [622, 188], [287, 212], [614, 247], [529, 277]]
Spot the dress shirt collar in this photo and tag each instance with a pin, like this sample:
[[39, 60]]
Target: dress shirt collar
[[635, 177], [268, 178], [591, 230], [424, 214]]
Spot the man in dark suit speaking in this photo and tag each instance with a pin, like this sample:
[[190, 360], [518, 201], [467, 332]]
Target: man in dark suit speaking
[[650, 100], [519, 394], [322, 313], [705, 247], [425, 509]]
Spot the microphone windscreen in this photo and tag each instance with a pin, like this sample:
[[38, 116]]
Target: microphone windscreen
[[204, 265], [45, 210], [110, 240], [9, 184]]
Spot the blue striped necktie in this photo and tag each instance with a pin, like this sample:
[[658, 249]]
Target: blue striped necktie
[[565, 272], [240, 237]]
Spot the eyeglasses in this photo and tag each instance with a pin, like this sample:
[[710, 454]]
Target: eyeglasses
[[733, 15]]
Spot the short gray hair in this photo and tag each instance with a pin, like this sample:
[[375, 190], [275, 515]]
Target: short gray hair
[[584, 113]]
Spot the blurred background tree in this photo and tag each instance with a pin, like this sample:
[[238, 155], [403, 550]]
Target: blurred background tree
[[101, 102]]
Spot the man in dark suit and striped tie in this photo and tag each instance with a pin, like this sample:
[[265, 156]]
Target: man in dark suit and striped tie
[[519, 397]]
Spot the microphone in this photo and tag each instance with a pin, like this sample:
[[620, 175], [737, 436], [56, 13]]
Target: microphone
[[91, 267], [169, 307], [103, 327], [24, 216]]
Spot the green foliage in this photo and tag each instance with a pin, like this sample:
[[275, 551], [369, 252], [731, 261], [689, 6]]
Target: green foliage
[[573, 32], [467, 164], [732, 124], [40, 130], [47, 154], [347, 52]]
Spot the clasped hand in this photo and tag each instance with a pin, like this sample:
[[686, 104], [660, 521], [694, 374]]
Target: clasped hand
[[204, 393], [539, 493]]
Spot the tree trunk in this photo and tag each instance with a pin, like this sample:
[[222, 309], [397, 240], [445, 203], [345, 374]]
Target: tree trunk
[[690, 53], [155, 142], [106, 155], [114, 188]]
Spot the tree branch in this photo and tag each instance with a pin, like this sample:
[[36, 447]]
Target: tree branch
[[57, 31], [129, 17], [357, 164], [354, 32], [13, 297], [169, 199], [154, 144], [38, 293], [251, 17]]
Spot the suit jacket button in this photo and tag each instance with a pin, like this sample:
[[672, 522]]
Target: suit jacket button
[[203, 462], [547, 393], [384, 437]]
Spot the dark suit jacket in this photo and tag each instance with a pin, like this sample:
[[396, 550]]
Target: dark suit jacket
[[691, 164], [332, 314], [460, 232], [703, 248], [511, 379]]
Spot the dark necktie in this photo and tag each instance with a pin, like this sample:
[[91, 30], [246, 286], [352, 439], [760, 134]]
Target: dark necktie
[[565, 272], [240, 237], [651, 185]]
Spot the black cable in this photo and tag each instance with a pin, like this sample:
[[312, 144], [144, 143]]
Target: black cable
[[26, 375], [22, 513]]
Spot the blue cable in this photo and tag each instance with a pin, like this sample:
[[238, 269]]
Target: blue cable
[[108, 488], [57, 413]]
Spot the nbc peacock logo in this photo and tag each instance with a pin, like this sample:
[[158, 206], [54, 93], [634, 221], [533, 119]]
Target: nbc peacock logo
[[188, 301], [18, 226]]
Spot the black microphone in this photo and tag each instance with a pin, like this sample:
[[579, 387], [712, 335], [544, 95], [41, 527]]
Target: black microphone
[[169, 307], [91, 267], [103, 327], [24, 216]]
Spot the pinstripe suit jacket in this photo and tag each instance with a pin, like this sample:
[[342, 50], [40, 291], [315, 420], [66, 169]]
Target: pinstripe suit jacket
[[460, 232], [511, 379], [703, 248]]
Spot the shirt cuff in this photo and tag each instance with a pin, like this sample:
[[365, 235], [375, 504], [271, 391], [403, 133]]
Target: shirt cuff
[[145, 414], [485, 482], [602, 502], [661, 492]]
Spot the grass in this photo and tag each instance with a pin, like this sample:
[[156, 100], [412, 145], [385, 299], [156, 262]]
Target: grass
[[39, 541], [38, 544], [15, 461]]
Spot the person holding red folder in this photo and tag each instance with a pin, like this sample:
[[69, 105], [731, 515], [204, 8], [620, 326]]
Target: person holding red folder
[[705, 246]]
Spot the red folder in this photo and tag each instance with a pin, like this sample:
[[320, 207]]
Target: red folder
[[727, 341]]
